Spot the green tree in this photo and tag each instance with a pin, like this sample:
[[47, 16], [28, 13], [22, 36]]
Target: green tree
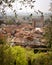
[[48, 33], [2, 49]]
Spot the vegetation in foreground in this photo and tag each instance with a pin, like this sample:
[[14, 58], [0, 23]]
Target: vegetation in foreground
[[21, 56]]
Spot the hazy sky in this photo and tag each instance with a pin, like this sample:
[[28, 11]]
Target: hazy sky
[[42, 5]]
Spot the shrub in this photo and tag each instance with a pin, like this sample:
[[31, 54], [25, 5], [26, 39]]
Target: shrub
[[42, 59], [15, 56]]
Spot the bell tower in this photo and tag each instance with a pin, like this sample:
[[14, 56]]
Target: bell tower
[[33, 23]]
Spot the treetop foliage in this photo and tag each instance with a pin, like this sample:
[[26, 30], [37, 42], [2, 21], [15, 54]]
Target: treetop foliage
[[9, 3]]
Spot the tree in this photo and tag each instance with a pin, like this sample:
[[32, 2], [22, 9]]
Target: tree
[[48, 29], [3, 47], [1, 51], [48, 33]]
